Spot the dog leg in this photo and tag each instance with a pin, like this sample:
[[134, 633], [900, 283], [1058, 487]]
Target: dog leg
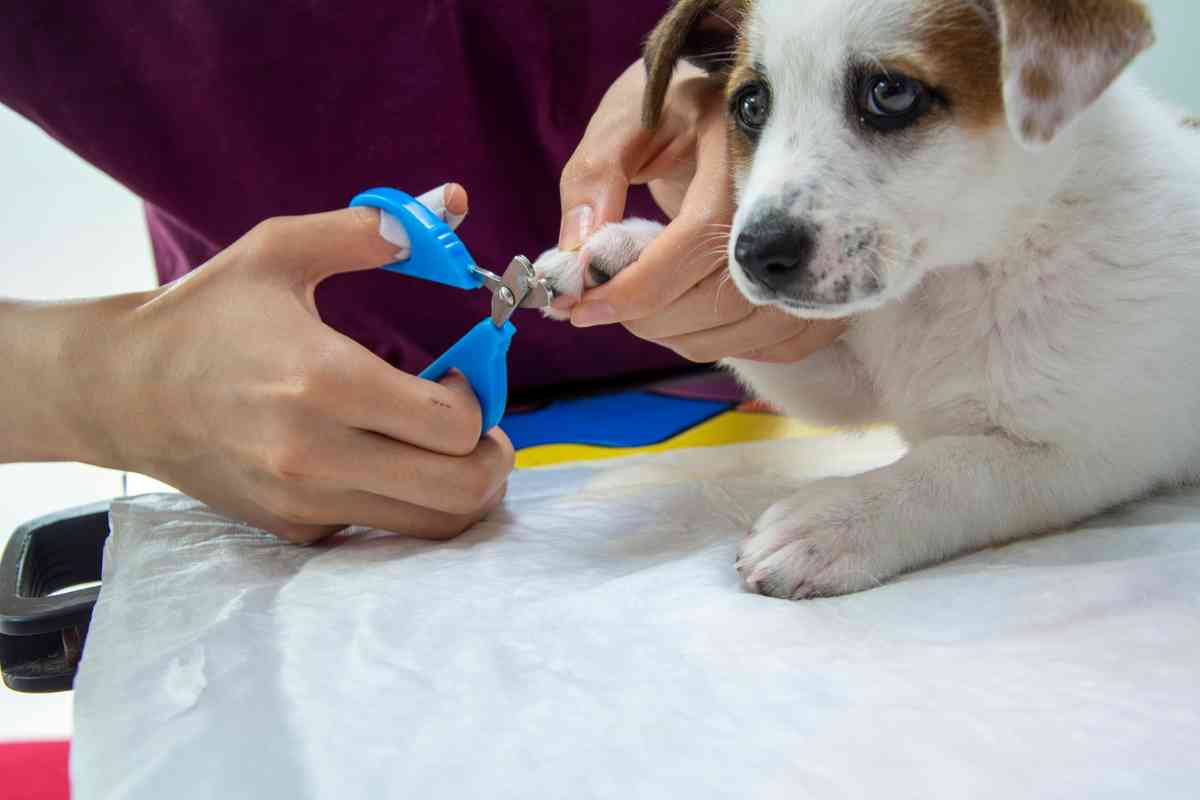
[[946, 497], [610, 250]]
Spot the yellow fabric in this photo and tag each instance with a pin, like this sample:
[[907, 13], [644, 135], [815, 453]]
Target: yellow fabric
[[732, 427]]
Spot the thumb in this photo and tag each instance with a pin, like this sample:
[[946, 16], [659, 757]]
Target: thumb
[[448, 203], [593, 190], [614, 147], [349, 240], [593, 194]]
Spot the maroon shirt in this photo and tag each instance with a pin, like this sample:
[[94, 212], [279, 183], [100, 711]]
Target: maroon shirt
[[221, 113]]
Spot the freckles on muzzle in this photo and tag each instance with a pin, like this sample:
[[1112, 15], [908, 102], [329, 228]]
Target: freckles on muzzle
[[801, 264]]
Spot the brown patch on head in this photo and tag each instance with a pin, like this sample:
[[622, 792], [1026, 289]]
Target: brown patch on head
[[701, 31], [1043, 41], [958, 54], [1040, 83], [1075, 24]]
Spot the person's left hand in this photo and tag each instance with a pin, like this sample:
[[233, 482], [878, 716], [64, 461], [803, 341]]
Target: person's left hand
[[676, 293]]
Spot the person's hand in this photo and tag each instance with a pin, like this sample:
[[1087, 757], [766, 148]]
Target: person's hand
[[229, 387], [677, 293]]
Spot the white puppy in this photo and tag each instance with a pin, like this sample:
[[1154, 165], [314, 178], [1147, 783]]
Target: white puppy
[[1016, 232]]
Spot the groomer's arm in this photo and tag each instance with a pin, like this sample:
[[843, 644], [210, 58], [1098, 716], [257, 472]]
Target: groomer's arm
[[227, 385], [676, 294]]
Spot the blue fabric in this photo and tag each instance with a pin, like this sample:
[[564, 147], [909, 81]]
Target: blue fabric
[[631, 419]]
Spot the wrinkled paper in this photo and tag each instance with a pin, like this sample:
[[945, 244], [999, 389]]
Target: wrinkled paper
[[592, 640]]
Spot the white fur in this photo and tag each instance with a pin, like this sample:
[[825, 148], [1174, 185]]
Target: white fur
[[1036, 334], [610, 249]]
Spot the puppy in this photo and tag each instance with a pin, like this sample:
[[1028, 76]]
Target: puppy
[[1013, 229]]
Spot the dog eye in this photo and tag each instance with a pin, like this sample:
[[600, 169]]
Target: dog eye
[[752, 107], [891, 102]]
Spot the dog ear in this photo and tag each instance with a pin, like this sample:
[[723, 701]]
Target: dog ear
[[1060, 56], [702, 32]]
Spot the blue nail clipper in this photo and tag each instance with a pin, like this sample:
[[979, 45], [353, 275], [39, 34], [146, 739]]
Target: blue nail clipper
[[438, 255]]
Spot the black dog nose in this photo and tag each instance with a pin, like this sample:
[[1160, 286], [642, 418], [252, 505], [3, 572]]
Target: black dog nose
[[776, 250]]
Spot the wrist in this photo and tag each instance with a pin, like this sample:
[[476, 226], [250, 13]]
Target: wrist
[[61, 381]]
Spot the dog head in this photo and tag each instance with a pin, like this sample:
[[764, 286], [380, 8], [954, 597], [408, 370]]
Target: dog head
[[873, 141]]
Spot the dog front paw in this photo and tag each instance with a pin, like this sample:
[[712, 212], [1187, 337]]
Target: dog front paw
[[828, 540], [610, 250]]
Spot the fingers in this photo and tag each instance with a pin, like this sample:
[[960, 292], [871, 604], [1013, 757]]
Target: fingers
[[816, 335], [596, 180], [362, 391], [758, 334], [449, 202], [385, 514], [381, 513], [714, 320], [593, 191], [307, 522], [364, 461], [310, 248], [713, 303], [690, 249], [316, 246]]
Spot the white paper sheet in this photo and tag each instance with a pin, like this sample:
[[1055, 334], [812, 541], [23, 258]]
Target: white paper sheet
[[592, 641]]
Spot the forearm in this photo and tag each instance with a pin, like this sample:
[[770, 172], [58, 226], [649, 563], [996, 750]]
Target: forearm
[[56, 380]]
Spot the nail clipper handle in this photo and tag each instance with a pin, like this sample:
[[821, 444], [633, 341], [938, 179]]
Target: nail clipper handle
[[438, 254], [481, 355]]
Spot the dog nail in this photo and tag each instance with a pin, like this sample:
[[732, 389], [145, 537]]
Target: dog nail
[[587, 314], [576, 228]]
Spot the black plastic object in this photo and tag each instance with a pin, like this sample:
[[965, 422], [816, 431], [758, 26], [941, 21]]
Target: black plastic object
[[42, 636]]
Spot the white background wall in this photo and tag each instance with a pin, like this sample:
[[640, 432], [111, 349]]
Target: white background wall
[[1170, 66], [66, 230]]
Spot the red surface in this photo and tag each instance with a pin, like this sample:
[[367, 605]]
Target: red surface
[[34, 771]]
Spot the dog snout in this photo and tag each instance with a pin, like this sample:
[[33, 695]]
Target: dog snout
[[776, 250]]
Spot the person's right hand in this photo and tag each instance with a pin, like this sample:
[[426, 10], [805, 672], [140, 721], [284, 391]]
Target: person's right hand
[[673, 294], [227, 385]]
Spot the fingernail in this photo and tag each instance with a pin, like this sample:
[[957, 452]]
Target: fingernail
[[586, 315], [576, 228]]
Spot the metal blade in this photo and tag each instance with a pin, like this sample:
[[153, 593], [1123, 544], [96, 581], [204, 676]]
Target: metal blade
[[519, 288]]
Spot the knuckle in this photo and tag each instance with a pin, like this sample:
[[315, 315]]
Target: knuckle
[[268, 233], [582, 169], [317, 374], [289, 458], [364, 219]]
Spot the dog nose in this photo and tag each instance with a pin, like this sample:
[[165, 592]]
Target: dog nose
[[775, 251]]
